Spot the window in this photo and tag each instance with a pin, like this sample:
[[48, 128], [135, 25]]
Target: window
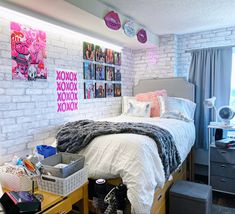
[[232, 94]]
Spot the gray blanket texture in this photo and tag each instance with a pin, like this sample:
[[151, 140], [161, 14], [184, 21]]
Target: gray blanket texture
[[74, 136]]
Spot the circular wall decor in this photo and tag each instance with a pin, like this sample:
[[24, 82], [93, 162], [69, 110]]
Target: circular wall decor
[[142, 36], [129, 28]]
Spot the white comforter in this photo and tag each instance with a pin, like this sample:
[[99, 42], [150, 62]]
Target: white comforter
[[135, 158]]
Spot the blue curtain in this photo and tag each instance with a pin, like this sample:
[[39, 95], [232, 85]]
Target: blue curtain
[[210, 72]]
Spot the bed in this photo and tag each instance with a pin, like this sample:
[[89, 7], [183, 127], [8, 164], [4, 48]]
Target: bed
[[134, 160]]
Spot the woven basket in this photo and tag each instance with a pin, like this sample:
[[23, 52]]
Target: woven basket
[[63, 186]]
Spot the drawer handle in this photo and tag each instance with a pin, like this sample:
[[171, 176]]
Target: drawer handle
[[159, 197], [223, 152], [223, 166], [61, 212], [222, 180]]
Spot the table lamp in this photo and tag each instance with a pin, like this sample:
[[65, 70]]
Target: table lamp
[[210, 103]]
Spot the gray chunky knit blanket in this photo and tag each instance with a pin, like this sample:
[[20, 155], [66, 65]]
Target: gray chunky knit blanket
[[74, 136]]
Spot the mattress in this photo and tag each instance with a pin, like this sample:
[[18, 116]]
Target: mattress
[[135, 158]]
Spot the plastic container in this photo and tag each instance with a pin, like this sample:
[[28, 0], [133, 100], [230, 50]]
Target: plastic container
[[15, 183], [63, 164], [46, 151], [63, 186]]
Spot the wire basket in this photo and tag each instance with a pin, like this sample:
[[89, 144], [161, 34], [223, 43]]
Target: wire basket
[[63, 186]]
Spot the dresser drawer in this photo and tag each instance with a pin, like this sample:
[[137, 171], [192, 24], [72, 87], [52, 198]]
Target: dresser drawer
[[222, 155], [223, 169], [63, 207], [223, 183]]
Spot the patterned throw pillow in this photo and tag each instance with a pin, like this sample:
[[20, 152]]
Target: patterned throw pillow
[[125, 101], [153, 98], [138, 109]]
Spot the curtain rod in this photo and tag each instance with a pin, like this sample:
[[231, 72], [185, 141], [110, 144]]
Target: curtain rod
[[189, 51]]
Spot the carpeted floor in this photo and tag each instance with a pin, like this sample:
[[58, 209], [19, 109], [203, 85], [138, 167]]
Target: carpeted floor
[[217, 209]]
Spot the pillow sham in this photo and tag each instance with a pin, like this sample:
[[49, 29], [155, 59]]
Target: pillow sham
[[125, 100], [153, 98], [138, 109], [177, 108]]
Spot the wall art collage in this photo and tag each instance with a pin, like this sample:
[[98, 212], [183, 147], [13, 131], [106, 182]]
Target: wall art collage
[[101, 72]]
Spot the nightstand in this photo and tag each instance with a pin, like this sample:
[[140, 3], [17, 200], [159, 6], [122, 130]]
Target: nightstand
[[52, 203], [221, 163]]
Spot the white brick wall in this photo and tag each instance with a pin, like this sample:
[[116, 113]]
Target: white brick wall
[[205, 39], [170, 59], [28, 114], [156, 62]]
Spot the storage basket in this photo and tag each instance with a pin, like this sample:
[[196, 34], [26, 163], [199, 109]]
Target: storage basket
[[63, 186], [72, 163], [15, 183]]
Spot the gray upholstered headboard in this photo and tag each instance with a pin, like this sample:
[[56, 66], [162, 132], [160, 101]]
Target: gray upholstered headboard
[[175, 87]]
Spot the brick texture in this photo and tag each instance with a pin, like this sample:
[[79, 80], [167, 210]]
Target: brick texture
[[28, 114], [205, 39]]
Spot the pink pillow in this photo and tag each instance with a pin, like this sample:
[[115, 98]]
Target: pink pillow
[[152, 97]]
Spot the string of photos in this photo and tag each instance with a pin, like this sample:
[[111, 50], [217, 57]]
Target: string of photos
[[101, 72]]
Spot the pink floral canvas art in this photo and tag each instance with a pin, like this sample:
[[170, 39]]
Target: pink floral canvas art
[[28, 53]]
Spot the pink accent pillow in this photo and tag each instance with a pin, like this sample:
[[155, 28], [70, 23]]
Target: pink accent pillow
[[152, 97]]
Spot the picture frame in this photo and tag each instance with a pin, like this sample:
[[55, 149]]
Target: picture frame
[[99, 72], [88, 51], [89, 90], [109, 56], [99, 54], [88, 71], [99, 89], [109, 90], [109, 72], [117, 58], [117, 90], [117, 74]]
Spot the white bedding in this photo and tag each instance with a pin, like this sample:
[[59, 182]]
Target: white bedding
[[135, 158]]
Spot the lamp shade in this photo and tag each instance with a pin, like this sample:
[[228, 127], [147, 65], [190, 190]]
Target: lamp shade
[[210, 102]]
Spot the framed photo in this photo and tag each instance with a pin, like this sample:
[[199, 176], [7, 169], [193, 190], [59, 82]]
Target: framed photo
[[88, 71], [88, 51], [117, 58], [118, 76], [100, 90], [109, 56], [100, 72], [109, 73], [89, 90], [109, 90], [117, 90], [99, 54]]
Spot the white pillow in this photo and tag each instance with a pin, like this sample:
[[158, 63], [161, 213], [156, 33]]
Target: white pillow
[[125, 100], [177, 108], [138, 109]]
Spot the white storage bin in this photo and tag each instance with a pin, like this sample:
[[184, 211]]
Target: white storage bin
[[63, 186], [15, 183]]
